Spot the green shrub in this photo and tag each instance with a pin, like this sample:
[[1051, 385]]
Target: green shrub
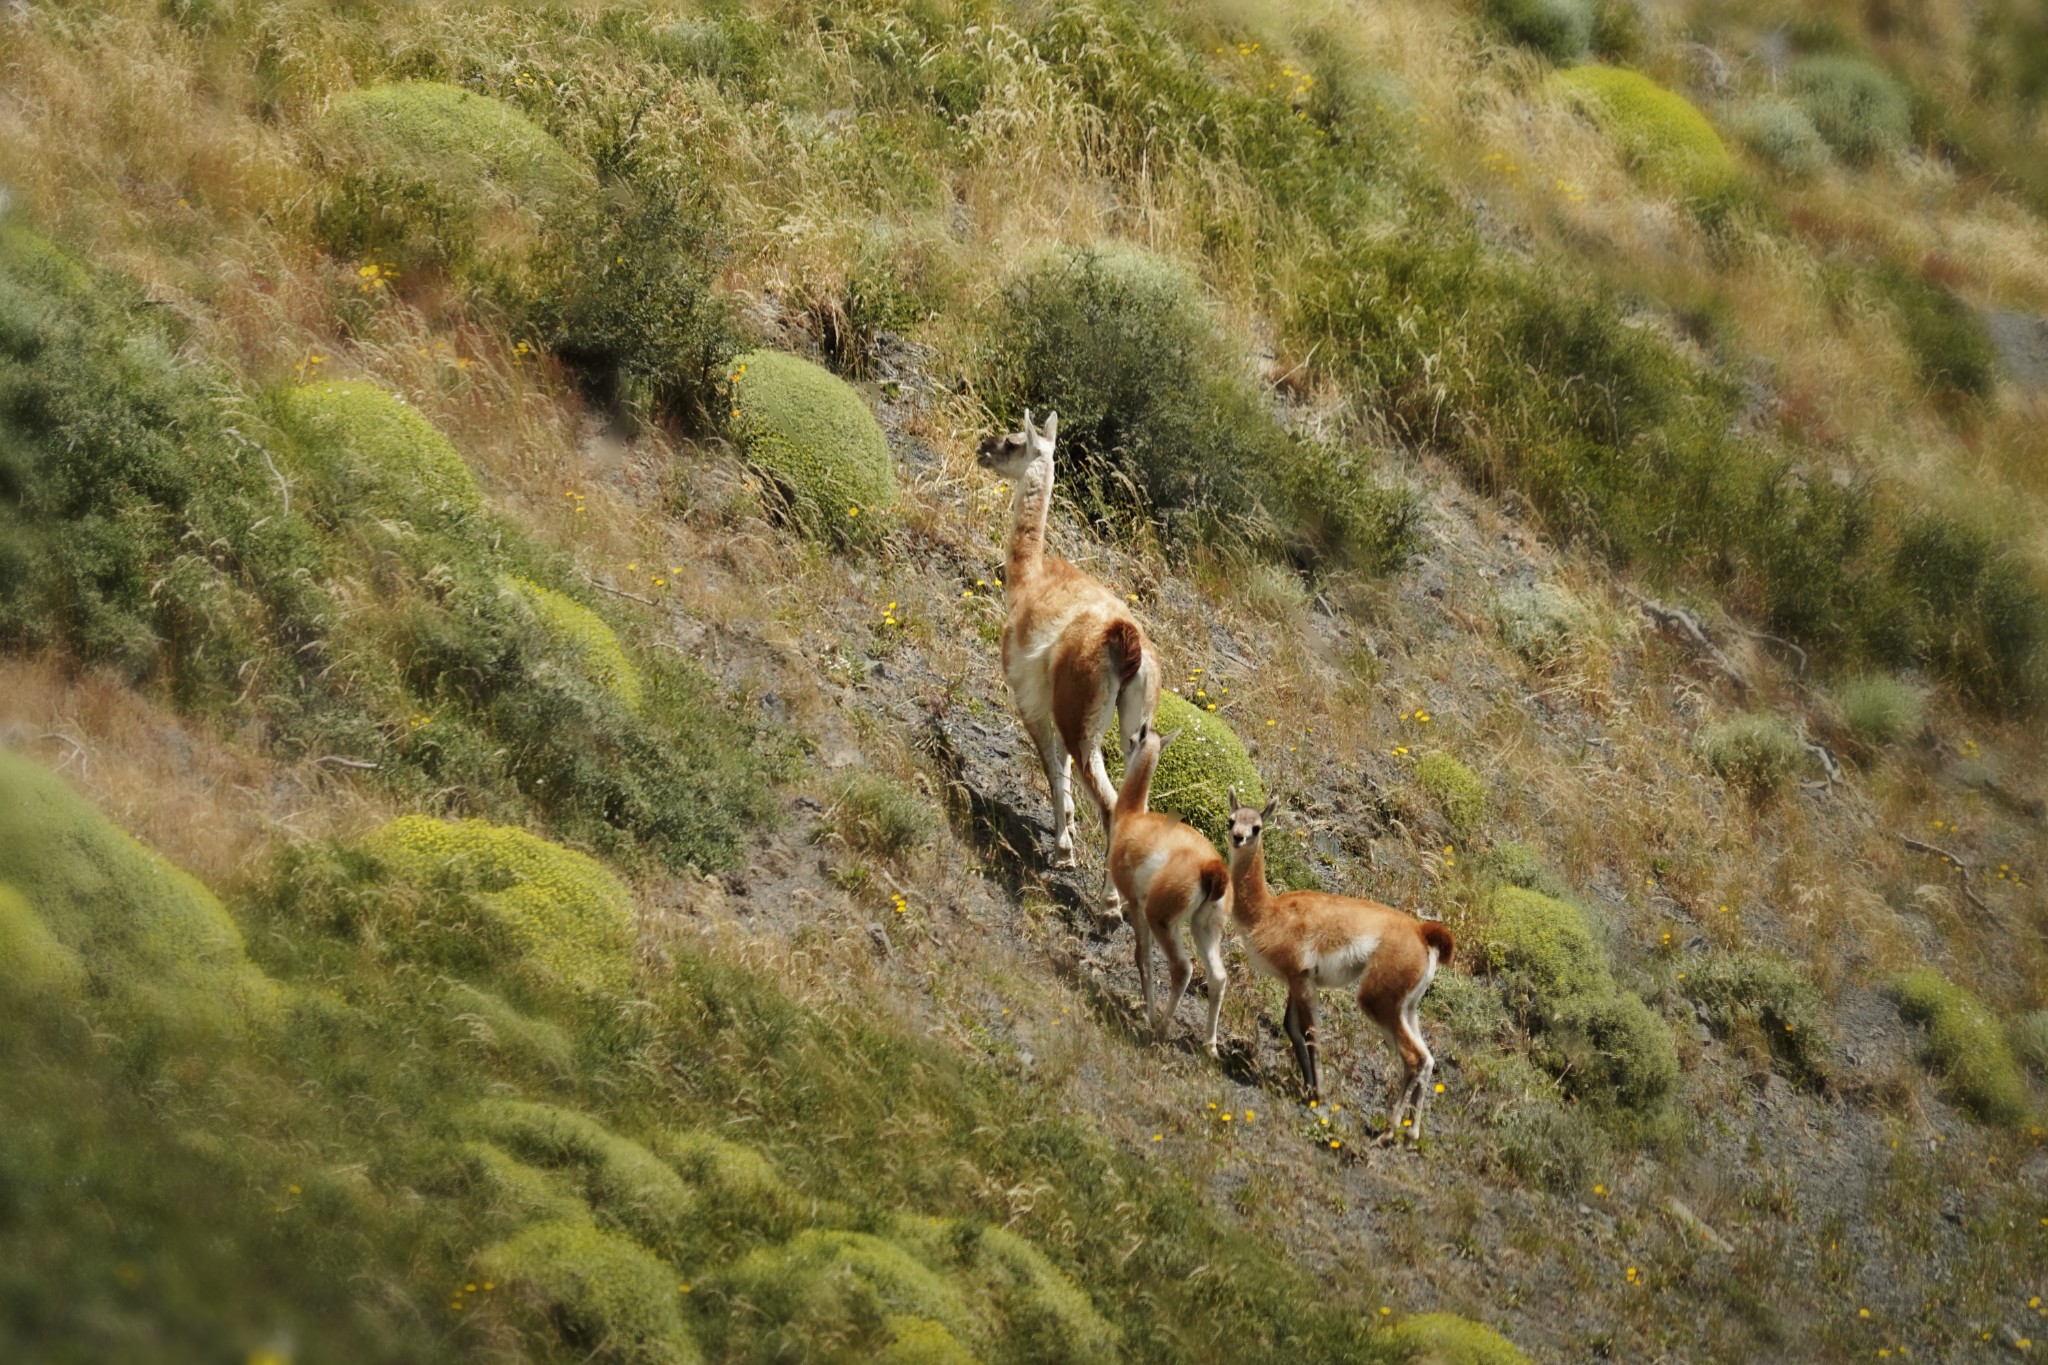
[[1770, 996], [32, 960], [1780, 132], [1882, 710], [1856, 106], [631, 1189], [741, 1198], [585, 637], [1158, 421], [878, 817], [373, 450], [525, 1038], [1963, 1043], [1197, 771], [1948, 338], [1756, 751], [815, 437], [421, 174], [154, 944], [1612, 1048], [1667, 140], [1552, 1146], [560, 910], [2030, 1040], [837, 1293], [1543, 949], [1455, 788], [1020, 1302], [1543, 623], [1561, 30], [520, 1193], [1983, 615], [1517, 864], [604, 1294], [1447, 1339]]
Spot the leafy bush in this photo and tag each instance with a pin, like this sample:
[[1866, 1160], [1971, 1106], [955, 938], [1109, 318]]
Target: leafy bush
[[1613, 1048], [1667, 140], [1756, 751], [153, 943], [559, 910], [1157, 421], [1856, 106], [878, 817], [1543, 949], [815, 437], [1780, 132], [605, 1294], [1770, 996], [1543, 623], [1881, 710], [1197, 771], [371, 450], [1985, 615], [1447, 1339], [1947, 337], [1963, 1043], [585, 637], [1455, 788], [1561, 30], [631, 1189]]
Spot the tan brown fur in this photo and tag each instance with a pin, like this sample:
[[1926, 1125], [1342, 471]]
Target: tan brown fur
[[1168, 874], [1312, 939], [1073, 653]]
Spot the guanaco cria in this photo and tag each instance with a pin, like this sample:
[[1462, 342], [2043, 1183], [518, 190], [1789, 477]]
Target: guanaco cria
[[1311, 939], [1168, 874]]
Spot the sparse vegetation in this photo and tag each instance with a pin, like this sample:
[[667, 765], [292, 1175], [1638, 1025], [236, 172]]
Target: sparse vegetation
[[1855, 105], [1963, 1044], [1756, 752], [1946, 336], [1881, 710], [1763, 1001], [878, 817], [1781, 132], [1545, 624]]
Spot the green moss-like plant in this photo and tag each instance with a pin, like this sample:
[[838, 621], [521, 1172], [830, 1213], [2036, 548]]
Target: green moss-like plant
[[1560, 29], [569, 918], [1855, 105], [1612, 1048], [1197, 771], [1882, 710], [377, 453], [1020, 1301], [741, 1197], [496, 1023], [1667, 140], [605, 1294], [2030, 1041], [629, 1187], [1780, 132], [810, 432], [32, 961], [1769, 995], [1455, 788], [1756, 751], [149, 937], [836, 1292], [879, 817], [584, 636], [920, 1341], [1963, 1043], [1447, 1339], [1517, 864], [1545, 949], [520, 1193]]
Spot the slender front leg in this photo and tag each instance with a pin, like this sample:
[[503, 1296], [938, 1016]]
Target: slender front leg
[[1209, 942], [1300, 1026]]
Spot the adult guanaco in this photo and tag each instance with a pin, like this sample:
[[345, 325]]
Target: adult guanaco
[[1311, 939], [1073, 653], [1169, 875]]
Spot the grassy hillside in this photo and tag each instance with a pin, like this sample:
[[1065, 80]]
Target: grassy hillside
[[486, 500]]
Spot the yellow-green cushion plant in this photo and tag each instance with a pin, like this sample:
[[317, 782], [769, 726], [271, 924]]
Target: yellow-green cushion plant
[[1546, 944], [811, 433], [1197, 771], [1015, 1295], [843, 1288], [1668, 142], [376, 453], [1447, 1339], [1963, 1043], [607, 1296], [629, 1187], [148, 937], [583, 635], [1455, 788], [32, 961], [562, 913]]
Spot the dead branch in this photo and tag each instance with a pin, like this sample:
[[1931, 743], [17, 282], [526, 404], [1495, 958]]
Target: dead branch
[[1684, 625], [338, 761], [1920, 846], [620, 592]]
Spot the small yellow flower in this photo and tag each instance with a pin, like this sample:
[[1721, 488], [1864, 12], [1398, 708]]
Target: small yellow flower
[[1439, 1087], [1249, 1116], [1863, 1312], [1385, 1311], [1158, 1137]]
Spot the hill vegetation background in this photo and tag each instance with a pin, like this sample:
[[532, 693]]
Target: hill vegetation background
[[512, 842]]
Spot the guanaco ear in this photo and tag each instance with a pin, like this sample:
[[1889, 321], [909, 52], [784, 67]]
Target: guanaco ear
[[1271, 806], [1169, 737], [1051, 429], [1235, 804], [1027, 421]]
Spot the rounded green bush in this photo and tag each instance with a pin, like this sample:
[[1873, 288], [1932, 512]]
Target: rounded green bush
[[629, 1187], [520, 1193], [1546, 946], [381, 455], [1882, 710], [1964, 1043], [1663, 135], [1447, 1339], [841, 1288], [1612, 1048], [604, 1293], [1560, 29], [148, 936], [1019, 1299], [1197, 771], [1856, 106], [1780, 132], [1756, 751], [740, 1195], [429, 174], [920, 1341], [811, 433], [1543, 623], [32, 961], [1771, 995], [1517, 864], [566, 916], [1455, 788], [584, 636]]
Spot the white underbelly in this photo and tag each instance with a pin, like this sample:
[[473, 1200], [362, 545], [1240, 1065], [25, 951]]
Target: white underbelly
[[1344, 968]]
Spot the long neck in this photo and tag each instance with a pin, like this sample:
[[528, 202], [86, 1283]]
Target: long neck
[[1250, 896], [1137, 788], [1027, 525]]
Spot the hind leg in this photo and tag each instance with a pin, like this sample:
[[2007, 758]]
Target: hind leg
[[1404, 1117], [1208, 933], [1141, 933], [1052, 753], [1181, 970]]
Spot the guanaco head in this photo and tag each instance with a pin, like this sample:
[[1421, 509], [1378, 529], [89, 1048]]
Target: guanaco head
[[1010, 455], [1148, 735], [1246, 824]]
